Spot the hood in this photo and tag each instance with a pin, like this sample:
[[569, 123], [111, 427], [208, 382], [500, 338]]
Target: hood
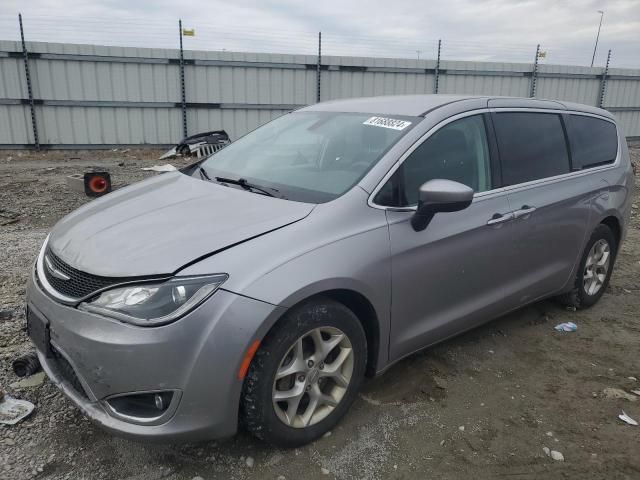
[[159, 225]]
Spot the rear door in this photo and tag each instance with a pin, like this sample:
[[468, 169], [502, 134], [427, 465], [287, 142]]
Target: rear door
[[450, 276], [549, 199]]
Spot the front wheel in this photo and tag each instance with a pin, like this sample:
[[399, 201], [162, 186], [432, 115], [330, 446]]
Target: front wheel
[[305, 375], [595, 269]]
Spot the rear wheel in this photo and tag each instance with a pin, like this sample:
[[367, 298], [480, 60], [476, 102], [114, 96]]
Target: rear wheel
[[596, 265], [305, 375]]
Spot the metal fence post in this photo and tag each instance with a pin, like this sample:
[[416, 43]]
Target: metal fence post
[[534, 73], [318, 74], [182, 89], [603, 82], [437, 71], [25, 54]]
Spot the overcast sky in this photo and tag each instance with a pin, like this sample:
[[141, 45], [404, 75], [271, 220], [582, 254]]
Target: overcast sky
[[497, 30]]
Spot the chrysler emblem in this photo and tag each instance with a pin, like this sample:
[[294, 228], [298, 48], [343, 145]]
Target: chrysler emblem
[[54, 271]]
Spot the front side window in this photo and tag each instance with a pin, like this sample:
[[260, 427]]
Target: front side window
[[310, 156], [458, 152], [531, 145], [593, 141]]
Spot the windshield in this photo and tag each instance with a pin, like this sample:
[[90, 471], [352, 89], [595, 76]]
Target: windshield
[[310, 156]]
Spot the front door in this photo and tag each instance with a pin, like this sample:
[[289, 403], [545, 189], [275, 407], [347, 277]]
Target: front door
[[450, 276]]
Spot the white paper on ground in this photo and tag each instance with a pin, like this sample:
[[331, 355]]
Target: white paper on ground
[[13, 410], [627, 419], [167, 167]]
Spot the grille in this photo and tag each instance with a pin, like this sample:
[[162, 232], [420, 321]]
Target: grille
[[66, 371], [209, 149], [80, 284]]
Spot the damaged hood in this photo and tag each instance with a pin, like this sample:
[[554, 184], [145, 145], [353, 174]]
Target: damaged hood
[[159, 225]]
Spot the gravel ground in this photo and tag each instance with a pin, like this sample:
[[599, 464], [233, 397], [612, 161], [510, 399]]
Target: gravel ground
[[483, 405]]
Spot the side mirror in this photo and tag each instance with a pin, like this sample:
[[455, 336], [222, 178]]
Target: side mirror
[[440, 196]]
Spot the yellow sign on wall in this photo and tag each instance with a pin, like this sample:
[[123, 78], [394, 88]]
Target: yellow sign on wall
[[189, 32]]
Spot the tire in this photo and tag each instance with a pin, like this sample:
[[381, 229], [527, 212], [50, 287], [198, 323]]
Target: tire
[[184, 151], [289, 346], [584, 295]]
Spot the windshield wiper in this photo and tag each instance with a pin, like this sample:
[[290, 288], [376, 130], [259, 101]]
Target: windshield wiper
[[204, 174], [248, 186]]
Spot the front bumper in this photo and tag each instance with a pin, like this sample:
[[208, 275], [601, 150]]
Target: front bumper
[[197, 357]]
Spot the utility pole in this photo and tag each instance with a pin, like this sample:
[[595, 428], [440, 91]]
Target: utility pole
[[318, 67], [601, 12], [534, 73], [182, 89], [603, 83], [25, 55], [436, 72]]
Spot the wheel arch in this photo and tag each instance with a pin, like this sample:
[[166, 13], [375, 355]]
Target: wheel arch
[[611, 220], [614, 224], [253, 412], [362, 308]]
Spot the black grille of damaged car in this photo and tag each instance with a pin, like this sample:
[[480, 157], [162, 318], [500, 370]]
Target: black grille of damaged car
[[65, 370], [80, 284]]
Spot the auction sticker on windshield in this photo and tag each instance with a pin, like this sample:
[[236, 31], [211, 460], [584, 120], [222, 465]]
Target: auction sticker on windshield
[[385, 122]]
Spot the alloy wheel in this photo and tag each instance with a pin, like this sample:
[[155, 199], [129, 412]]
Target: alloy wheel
[[596, 267], [313, 377]]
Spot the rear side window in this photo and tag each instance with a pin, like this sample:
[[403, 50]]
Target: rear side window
[[531, 145], [593, 141]]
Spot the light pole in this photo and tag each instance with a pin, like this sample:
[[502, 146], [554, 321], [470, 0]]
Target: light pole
[[601, 12]]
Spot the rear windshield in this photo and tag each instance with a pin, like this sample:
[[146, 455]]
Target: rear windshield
[[310, 156], [593, 141]]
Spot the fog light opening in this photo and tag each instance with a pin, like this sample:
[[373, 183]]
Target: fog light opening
[[141, 405]]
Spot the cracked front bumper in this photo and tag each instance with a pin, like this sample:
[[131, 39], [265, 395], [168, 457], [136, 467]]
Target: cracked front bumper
[[197, 357]]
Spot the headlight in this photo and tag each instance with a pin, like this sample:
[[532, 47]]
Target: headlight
[[150, 304]]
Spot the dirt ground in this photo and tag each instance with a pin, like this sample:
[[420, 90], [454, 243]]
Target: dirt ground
[[480, 406]]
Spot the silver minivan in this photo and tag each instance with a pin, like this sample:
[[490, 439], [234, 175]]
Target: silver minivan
[[260, 286]]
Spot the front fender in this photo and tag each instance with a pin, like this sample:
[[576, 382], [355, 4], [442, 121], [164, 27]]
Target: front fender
[[360, 264], [342, 245]]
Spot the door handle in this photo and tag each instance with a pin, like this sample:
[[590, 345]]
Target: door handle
[[524, 211], [500, 218]]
